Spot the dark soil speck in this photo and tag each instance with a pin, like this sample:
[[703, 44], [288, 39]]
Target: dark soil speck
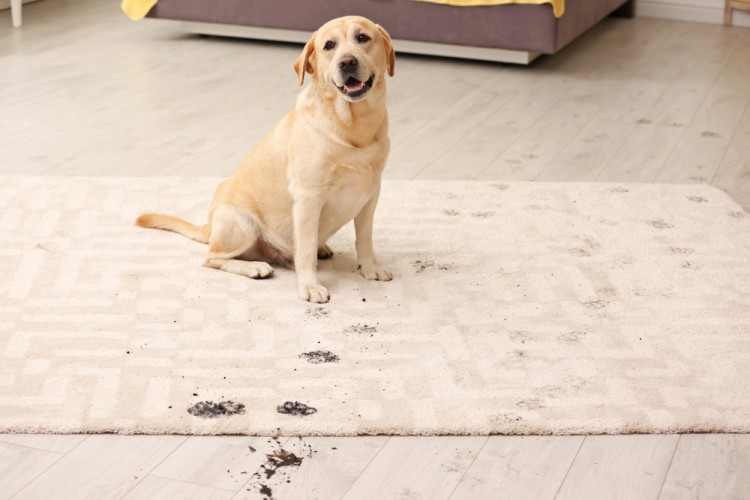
[[279, 459], [265, 491]]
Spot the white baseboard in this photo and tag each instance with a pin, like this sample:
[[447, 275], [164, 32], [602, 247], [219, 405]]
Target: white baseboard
[[693, 11]]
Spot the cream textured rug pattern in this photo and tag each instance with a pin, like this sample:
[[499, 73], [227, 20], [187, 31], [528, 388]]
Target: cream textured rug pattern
[[521, 308]]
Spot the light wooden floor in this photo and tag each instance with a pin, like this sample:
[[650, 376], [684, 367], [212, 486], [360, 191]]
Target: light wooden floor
[[83, 91]]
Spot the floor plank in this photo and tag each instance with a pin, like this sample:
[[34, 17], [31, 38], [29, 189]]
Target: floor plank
[[619, 467], [475, 152], [691, 76], [519, 467], [596, 143], [579, 104], [553, 109], [458, 120], [157, 488], [417, 467], [103, 466], [47, 442], [702, 147], [19, 466], [329, 467], [733, 174], [222, 462], [709, 466]]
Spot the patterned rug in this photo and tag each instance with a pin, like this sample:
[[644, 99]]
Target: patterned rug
[[522, 308]]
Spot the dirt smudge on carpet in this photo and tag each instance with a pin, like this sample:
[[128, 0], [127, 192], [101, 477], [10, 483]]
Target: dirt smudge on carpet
[[360, 328], [421, 266], [318, 357], [318, 312], [295, 408], [209, 409]]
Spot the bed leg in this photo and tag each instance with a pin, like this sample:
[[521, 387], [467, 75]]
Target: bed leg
[[15, 12], [626, 10]]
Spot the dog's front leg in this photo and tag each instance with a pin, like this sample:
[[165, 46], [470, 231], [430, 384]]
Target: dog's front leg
[[306, 219], [365, 256]]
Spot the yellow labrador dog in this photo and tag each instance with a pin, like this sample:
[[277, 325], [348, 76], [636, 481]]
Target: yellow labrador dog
[[318, 169]]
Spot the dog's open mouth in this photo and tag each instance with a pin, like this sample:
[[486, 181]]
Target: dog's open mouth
[[355, 89]]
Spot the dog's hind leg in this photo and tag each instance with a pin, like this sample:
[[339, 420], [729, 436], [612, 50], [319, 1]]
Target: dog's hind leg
[[325, 252], [234, 233]]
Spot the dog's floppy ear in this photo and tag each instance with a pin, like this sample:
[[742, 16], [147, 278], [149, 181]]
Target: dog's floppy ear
[[390, 52], [303, 63]]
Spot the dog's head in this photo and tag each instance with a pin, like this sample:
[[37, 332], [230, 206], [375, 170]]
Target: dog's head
[[351, 54]]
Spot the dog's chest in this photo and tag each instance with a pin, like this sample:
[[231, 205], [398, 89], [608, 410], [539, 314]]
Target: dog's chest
[[352, 186]]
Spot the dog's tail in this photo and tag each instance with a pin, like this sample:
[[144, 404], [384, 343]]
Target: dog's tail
[[175, 224]]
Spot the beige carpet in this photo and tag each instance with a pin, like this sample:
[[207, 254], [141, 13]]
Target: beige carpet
[[516, 308]]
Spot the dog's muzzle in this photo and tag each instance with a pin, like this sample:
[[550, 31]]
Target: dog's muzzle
[[353, 87], [356, 89]]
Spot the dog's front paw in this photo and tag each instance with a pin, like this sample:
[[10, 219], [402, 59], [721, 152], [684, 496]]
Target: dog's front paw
[[375, 272], [314, 293]]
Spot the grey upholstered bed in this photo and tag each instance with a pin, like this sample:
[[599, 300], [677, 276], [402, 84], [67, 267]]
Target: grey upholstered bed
[[510, 33]]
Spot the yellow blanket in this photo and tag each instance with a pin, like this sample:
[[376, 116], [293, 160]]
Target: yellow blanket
[[137, 9], [558, 6]]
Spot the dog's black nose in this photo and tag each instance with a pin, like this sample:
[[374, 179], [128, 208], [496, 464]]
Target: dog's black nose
[[348, 63]]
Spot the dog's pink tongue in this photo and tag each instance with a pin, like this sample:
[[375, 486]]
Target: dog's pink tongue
[[352, 85]]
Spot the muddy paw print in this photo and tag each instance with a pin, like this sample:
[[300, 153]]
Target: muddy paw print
[[295, 408], [697, 199], [318, 357], [209, 409], [318, 312], [660, 224]]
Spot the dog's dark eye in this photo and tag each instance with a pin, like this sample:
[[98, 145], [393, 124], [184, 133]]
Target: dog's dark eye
[[329, 45], [362, 38]]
